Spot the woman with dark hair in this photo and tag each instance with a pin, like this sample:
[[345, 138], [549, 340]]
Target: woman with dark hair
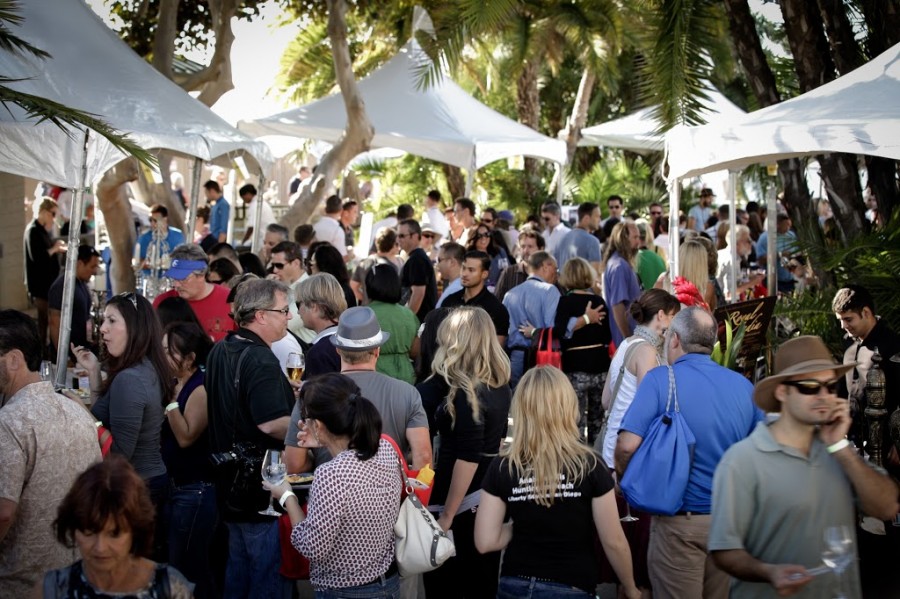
[[191, 514], [221, 270], [348, 531], [108, 516], [175, 309], [324, 257], [138, 385], [250, 262], [484, 240], [382, 286]]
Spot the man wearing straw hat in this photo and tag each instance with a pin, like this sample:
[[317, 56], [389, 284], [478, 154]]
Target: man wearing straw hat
[[776, 492]]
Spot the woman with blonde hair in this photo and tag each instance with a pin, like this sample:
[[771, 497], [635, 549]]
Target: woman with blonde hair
[[471, 380], [584, 337], [556, 491], [692, 286]]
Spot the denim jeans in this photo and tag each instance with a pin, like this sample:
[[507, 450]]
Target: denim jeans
[[159, 496], [254, 557], [513, 587], [191, 522], [516, 366], [389, 588]]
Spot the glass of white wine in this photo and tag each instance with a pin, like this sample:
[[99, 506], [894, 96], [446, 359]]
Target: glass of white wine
[[838, 553], [295, 365], [273, 472]]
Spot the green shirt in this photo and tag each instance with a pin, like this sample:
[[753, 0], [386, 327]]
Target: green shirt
[[403, 326], [649, 266]]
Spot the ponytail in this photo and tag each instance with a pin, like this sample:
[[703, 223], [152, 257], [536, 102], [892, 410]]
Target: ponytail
[[334, 400], [365, 426]]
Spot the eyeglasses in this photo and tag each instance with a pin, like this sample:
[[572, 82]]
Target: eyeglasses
[[482, 235], [655, 213], [284, 311], [277, 265], [812, 386], [130, 296]]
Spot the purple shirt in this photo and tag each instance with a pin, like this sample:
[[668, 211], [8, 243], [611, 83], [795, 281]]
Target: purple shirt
[[620, 286]]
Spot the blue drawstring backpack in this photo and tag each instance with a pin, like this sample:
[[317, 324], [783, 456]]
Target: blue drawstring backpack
[[657, 476]]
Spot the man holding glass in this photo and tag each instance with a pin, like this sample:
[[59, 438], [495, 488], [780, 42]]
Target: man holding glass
[[782, 505]]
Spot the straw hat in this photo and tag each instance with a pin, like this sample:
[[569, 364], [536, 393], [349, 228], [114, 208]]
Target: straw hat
[[800, 355]]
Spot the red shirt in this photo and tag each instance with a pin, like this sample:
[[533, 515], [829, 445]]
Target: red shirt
[[212, 311]]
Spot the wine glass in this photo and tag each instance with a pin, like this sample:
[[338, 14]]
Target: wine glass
[[294, 365], [838, 553], [46, 374], [273, 472], [628, 517]]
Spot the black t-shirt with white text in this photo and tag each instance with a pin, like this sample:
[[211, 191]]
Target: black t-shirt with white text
[[555, 543]]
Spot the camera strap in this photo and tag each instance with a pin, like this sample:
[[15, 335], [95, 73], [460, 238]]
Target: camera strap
[[237, 391]]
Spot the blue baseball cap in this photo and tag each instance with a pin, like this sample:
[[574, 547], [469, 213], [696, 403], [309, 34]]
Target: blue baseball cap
[[182, 269]]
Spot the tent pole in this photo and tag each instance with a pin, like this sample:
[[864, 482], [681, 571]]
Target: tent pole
[[257, 229], [732, 233], [559, 183], [196, 171], [232, 180], [674, 207], [772, 257], [470, 178], [65, 321]]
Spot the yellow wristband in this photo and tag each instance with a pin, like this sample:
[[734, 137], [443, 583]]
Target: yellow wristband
[[836, 447]]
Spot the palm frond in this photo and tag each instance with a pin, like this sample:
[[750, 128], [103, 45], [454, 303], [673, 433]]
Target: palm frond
[[9, 14], [64, 118]]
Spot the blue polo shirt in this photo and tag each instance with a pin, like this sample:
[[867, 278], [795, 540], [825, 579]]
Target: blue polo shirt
[[534, 301], [218, 218], [717, 405]]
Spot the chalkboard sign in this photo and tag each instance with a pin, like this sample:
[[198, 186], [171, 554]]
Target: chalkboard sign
[[755, 315]]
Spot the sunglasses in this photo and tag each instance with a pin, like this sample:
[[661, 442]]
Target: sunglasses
[[812, 386], [656, 214], [130, 296], [427, 235], [482, 236], [487, 221], [277, 265]]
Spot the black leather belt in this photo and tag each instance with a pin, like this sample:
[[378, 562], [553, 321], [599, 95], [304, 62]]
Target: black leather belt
[[392, 569]]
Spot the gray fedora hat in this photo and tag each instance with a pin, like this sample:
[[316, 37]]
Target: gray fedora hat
[[358, 330]]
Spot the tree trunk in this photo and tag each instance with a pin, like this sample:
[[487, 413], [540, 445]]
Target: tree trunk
[[528, 107], [113, 201], [149, 193], [812, 60], [456, 183], [164, 37], [358, 135], [844, 50], [883, 22], [579, 112], [350, 187]]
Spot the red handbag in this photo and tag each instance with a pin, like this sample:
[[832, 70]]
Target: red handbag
[[422, 491], [548, 352], [294, 565]]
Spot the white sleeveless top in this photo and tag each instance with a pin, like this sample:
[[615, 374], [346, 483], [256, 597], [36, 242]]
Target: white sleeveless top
[[619, 405]]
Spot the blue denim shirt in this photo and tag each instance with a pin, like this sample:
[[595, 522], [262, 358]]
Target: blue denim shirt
[[533, 301], [218, 218]]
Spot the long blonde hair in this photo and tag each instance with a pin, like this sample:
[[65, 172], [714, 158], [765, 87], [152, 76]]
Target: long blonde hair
[[469, 356], [693, 264], [546, 441]]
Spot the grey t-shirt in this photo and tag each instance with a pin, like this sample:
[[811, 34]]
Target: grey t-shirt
[[132, 410], [398, 402]]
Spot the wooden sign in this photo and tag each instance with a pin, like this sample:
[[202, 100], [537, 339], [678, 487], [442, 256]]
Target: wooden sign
[[755, 315]]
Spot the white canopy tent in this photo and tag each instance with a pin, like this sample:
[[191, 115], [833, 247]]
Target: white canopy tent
[[91, 69], [441, 122], [639, 131], [856, 113]]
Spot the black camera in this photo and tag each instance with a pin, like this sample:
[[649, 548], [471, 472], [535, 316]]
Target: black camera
[[240, 453]]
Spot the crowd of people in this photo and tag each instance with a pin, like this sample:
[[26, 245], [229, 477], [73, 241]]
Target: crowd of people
[[438, 339]]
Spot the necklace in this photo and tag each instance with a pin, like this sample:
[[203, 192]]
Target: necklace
[[650, 336]]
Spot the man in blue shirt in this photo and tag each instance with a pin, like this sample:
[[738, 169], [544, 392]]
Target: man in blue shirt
[[159, 222], [785, 245], [717, 405], [579, 243], [219, 211], [531, 306]]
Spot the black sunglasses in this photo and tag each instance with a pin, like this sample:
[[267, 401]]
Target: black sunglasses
[[812, 386], [482, 235], [277, 265]]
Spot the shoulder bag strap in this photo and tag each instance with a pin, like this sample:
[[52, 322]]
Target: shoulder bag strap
[[237, 392], [673, 391], [615, 392], [401, 463]]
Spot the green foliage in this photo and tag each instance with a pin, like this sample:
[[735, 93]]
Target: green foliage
[[632, 178], [9, 15], [808, 313], [727, 356], [403, 180]]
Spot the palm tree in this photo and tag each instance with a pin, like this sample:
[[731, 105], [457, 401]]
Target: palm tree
[[42, 109]]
